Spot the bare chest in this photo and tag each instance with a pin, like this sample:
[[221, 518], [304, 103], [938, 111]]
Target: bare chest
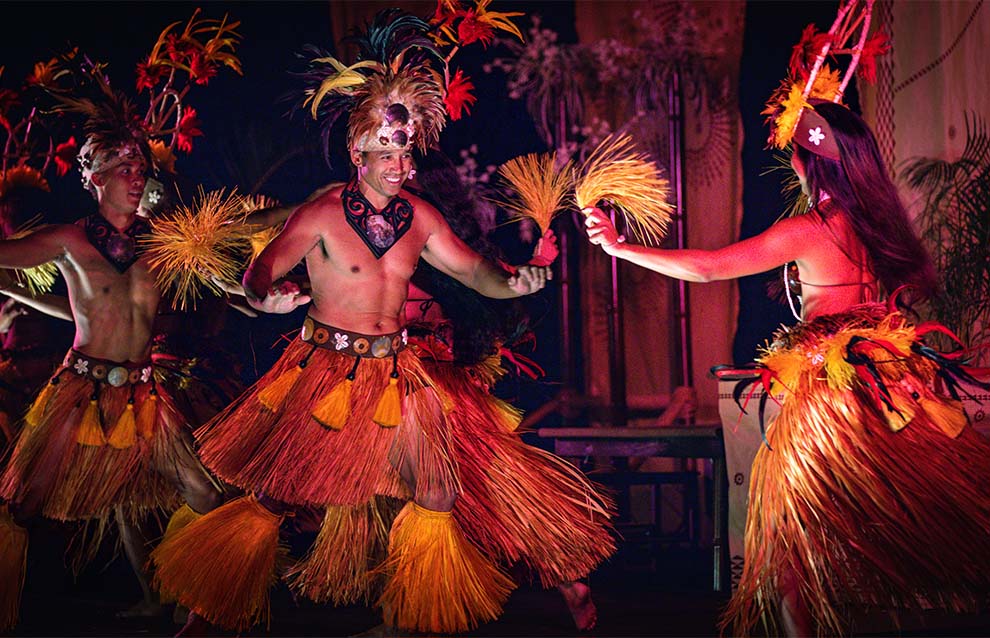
[[344, 254], [93, 279]]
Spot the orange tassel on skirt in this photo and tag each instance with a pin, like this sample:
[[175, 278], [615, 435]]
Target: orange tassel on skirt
[[438, 581], [81, 477], [854, 506], [222, 565], [291, 456]]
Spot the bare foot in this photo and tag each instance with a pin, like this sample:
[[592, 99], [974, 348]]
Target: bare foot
[[195, 625], [578, 598], [142, 609], [180, 615]]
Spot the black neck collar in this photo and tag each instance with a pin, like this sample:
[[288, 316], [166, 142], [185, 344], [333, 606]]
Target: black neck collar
[[119, 247], [380, 230]]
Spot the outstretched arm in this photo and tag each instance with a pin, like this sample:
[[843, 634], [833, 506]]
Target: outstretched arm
[[40, 247], [54, 305], [451, 256], [783, 242]]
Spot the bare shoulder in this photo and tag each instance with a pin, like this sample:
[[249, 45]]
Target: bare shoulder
[[316, 208], [425, 211], [797, 228], [64, 234]]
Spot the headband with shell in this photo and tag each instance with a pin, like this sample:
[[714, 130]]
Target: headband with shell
[[392, 96], [113, 129], [790, 110]]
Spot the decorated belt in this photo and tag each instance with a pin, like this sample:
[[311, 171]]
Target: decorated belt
[[106, 371], [351, 343]]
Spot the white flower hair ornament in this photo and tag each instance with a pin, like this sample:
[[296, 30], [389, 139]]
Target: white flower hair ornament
[[790, 110]]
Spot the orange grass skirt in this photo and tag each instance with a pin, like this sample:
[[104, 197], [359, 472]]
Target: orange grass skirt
[[289, 456], [519, 503], [858, 513], [50, 473]]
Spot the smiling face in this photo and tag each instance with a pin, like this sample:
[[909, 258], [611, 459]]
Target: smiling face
[[381, 174], [119, 189]]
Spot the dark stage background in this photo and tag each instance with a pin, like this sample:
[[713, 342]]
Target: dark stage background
[[250, 142]]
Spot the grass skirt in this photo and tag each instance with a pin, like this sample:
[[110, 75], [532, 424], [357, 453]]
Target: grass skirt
[[289, 456], [278, 439], [871, 489], [52, 473], [519, 503]]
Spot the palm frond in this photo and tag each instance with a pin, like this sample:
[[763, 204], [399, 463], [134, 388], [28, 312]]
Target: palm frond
[[954, 224]]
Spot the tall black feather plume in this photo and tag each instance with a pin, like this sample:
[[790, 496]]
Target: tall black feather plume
[[392, 33], [332, 106]]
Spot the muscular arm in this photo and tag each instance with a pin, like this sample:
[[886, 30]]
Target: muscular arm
[[37, 248], [54, 305], [785, 241], [451, 256], [300, 235]]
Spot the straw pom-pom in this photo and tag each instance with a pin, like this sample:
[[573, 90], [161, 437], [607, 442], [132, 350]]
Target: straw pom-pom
[[630, 183], [540, 186], [37, 279], [197, 246]]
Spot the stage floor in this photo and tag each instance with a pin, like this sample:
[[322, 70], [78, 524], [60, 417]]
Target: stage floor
[[639, 592]]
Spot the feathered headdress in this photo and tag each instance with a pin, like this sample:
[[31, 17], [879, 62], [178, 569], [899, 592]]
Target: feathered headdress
[[115, 130], [113, 127], [401, 88], [790, 110], [392, 97]]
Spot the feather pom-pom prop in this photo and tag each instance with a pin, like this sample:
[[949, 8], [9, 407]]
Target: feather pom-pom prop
[[630, 182], [538, 185], [198, 247]]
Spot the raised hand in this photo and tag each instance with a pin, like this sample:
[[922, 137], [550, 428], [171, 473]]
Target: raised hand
[[600, 229], [546, 250], [529, 279]]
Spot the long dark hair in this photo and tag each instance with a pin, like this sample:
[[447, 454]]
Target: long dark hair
[[478, 323], [860, 186]]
